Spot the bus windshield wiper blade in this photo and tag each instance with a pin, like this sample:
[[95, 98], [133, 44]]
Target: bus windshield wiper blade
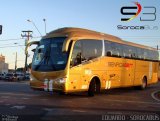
[[43, 58]]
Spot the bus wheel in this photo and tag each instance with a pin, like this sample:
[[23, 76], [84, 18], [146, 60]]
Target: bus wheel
[[61, 93], [93, 88], [144, 83]]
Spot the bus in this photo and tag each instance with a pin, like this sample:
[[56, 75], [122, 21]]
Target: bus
[[79, 60]]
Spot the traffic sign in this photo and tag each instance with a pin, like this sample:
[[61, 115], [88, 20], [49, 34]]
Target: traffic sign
[[0, 29]]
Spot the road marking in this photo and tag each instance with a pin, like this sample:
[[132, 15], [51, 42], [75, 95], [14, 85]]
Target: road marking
[[7, 104], [48, 109], [18, 94], [6, 97], [141, 102], [1, 101], [153, 93], [25, 98], [18, 107], [78, 110], [68, 101]]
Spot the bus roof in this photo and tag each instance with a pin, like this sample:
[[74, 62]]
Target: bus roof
[[90, 34]]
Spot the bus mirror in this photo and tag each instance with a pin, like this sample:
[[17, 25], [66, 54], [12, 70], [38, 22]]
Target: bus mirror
[[66, 45], [29, 44], [33, 50]]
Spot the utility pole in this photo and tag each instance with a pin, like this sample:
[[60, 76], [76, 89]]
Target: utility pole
[[16, 63], [27, 35]]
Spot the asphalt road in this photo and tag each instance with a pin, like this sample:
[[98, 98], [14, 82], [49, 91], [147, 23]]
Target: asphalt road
[[19, 103]]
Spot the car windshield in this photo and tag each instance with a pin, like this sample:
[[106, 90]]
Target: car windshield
[[49, 56], [19, 74], [9, 74]]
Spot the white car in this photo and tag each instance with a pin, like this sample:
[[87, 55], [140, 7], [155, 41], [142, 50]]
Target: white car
[[20, 77]]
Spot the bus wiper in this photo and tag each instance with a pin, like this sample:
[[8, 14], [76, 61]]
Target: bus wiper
[[43, 58]]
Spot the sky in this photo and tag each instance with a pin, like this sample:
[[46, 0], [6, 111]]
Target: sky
[[99, 15]]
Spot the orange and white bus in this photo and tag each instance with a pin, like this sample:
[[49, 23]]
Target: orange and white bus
[[74, 59]]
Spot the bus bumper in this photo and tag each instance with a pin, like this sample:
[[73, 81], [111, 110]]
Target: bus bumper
[[49, 86]]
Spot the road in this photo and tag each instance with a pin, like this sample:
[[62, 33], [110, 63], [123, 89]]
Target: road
[[19, 103]]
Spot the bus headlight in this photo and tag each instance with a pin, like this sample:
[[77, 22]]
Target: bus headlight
[[32, 78], [61, 80]]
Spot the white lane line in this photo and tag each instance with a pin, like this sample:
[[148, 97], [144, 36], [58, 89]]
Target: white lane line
[[18, 107], [48, 109], [1, 101], [153, 93], [6, 97], [7, 104], [17, 94], [25, 98], [79, 111], [141, 102]]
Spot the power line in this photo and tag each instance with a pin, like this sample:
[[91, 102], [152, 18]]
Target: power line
[[7, 44], [35, 26], [11, 39], [18, 38], [11, 46]]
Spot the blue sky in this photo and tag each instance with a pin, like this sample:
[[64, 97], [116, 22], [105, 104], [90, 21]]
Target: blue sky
[[98, 15]]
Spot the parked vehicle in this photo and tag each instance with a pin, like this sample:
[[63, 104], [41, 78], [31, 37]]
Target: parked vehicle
[[20, 76], [27, 76], [2, 76], [11, 77]]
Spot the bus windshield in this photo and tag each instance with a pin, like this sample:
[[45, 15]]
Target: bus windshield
[[49, 56]]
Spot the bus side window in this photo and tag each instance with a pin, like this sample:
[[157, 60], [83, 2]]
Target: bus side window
[[108, 51], [134, 52], [140, 53], [156, 57], [76, 54], [119, 49], [126, 51], [91, 49]]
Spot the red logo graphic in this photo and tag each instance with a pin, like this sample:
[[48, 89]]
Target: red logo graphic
[[138, 7]]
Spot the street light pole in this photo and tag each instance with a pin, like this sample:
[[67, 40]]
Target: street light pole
[[45, 25], [35, 26], [26, 66], [16, 62]]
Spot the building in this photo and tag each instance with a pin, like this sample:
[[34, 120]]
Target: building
[[3, 65]]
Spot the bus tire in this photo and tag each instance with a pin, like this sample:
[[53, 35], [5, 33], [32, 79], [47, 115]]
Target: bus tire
[[144, 83], [62, 93], [94, 87]]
